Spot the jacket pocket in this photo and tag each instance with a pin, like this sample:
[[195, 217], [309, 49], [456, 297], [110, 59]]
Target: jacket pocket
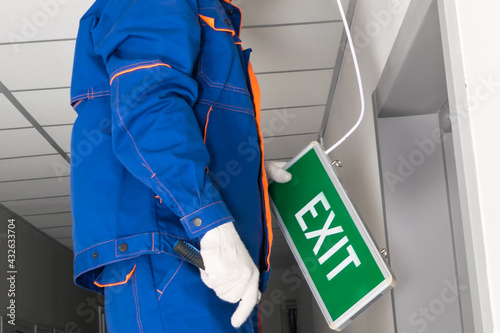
[[218, 54], [116, 274]]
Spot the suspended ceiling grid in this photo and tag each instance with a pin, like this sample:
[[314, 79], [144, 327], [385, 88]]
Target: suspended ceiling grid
[[295, 46]]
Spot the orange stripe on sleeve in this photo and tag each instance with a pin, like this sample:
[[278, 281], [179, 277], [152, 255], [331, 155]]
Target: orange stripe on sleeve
[[129, 275], [137, 68], [256, 97]]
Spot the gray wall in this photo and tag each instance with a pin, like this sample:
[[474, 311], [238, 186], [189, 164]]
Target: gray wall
[[45, 293]]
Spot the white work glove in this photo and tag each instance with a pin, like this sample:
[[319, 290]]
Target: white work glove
[[230, 271], [275, 171]]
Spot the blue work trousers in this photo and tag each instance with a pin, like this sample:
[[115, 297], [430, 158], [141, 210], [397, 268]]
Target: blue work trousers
[[161, 293]]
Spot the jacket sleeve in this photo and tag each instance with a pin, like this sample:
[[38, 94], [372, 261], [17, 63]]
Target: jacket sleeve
[[149, 49]]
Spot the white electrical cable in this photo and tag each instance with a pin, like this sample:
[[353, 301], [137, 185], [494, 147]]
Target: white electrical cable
[[358, 75]]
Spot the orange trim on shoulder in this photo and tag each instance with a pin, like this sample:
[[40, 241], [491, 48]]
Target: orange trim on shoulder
[[211, 22], [129, 275], [256, 100], [137, 68]]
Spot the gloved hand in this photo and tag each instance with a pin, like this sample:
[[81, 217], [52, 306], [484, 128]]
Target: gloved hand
[[275, 171], [230, 271]]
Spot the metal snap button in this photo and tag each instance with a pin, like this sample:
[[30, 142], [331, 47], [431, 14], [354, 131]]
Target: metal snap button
[[95, 255], [197, 222], [227, 21], [123, 247]]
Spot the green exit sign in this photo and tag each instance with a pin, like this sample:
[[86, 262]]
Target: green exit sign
[[335, 252]]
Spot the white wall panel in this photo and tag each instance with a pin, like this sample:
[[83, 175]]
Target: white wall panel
[[48, 107], [33, 167], [286, 147], [286, 121], [37, 65], [30, 189], [259, 12], [10, 115], [23, 142], [32, 20], [61, 135], [294, 88], [293, 47], [50, 220], [39, 206]]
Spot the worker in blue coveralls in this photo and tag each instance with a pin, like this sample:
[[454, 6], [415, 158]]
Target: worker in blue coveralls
[[167, 146]]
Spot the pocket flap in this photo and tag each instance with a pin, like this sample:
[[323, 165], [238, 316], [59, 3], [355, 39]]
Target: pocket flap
[[116, 274]]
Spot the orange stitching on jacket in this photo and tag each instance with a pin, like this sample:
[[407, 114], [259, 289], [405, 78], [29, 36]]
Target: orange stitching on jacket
[[247, 112], [77, 103], [215, 84], [208, 225], [206, 125], [161, 292], [137, 68], [137, 149], [105, 92], [229, 107], [88, 248], [220, 85], [116, 283], [136, 64], [166, 189], [213, 203], [137, 305]]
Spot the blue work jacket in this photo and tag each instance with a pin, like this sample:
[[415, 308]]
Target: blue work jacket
[[167, 143]]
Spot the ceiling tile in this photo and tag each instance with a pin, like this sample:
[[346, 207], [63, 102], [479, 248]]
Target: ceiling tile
[[286, 121], [39, 206], [294, 88], [23, 142], [285, 147], [293, 47], [67, 241], [61, 135], [33, 167], [37, 65], [50, 220], [259, 12], [10, 115], [32, 20], [48, 107], [37, 188], [59, 232]]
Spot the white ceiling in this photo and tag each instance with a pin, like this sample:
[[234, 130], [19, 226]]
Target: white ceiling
[[295, 46]]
